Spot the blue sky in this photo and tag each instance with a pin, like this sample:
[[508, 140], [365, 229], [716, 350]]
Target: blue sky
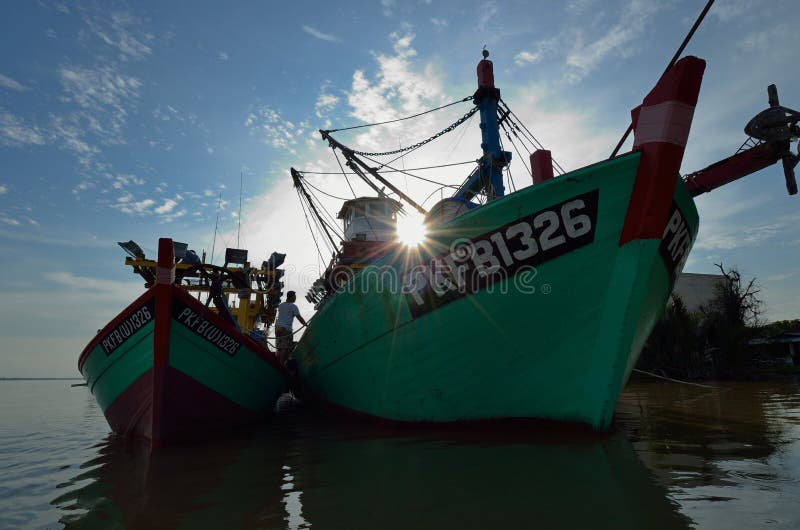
[[126, 120]]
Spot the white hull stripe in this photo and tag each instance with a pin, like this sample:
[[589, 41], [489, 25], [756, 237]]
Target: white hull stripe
[[667, 122], [165, 275]]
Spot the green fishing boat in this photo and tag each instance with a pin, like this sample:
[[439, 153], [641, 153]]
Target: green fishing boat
[[172, 367], [532, 305]]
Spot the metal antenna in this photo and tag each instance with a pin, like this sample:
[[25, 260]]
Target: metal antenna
[[239, 229], [216, 224]]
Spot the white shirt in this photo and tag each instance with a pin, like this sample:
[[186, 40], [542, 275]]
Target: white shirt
[[286, 313]]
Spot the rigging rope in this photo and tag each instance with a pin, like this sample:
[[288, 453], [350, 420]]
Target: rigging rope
[[402, 155], [344, 174], [503, 125], [514, 123], [400, 119], [333, 225], [389, 171], [326, 193], [395, 170], [310, 230], [417, 145], [513, 186]]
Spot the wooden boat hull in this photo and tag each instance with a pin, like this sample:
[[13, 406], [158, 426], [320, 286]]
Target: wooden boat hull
[[554, 341], [168, 368]]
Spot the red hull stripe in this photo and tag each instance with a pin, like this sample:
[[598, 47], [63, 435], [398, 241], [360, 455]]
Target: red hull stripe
[[661, 127], [190, 410]]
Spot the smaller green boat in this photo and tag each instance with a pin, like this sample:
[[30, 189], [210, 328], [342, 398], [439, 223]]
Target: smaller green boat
[[169, 367]]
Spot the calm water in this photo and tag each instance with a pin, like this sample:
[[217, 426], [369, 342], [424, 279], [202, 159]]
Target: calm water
[[679, 457]]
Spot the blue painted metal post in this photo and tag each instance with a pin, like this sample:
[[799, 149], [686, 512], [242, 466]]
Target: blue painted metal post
[[490, 176], [493, 161]]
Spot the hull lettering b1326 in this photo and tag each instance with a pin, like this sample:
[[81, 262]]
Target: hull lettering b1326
[[473, 264]]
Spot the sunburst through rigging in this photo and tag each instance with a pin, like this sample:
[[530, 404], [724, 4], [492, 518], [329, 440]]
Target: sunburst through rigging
[[411, 229]]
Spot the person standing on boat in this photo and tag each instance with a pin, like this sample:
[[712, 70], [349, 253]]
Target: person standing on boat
[[287, 312]]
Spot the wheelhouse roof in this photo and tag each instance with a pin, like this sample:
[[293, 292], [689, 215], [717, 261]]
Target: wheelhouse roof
[[349, 205]]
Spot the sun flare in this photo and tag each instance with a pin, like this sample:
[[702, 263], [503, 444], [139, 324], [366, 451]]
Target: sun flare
[[411, 229]]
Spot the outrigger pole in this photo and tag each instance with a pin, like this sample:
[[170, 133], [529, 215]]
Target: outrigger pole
[[296, 178], [352, 158], [775, 128]]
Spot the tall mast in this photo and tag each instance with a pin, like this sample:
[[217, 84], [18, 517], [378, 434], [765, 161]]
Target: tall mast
[[216, 224], [489, 177], [241, 185]]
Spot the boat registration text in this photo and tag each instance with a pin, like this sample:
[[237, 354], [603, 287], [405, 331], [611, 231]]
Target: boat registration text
[[204, 329], [124, 330], [473, 264]]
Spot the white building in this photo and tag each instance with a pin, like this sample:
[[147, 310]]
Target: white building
[[697, 289]]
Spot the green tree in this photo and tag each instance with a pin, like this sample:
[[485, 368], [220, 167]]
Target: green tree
[[673, 347], [730, 319]]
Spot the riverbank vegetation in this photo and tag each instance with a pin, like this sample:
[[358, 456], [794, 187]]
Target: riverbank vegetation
[[725, 339]]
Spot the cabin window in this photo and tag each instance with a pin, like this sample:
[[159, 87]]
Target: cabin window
[[357, 211]]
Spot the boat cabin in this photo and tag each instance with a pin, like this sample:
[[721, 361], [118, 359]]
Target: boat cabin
[[370, 219]]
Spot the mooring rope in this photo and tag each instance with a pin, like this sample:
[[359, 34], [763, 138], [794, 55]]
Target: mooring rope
[[651, 374]]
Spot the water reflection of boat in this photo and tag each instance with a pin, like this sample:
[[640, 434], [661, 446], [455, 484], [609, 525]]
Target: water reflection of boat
[[230, 483], [359, 479]]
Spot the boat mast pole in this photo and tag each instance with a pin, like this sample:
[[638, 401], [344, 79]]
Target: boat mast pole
[[351, 157], [490, 175], [296, 178], [241, 185]]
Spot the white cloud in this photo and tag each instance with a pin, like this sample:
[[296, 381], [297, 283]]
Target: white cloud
[[71, 136], [314, 32], [399, 88], [388, 7], [487, 16], [722, 224], [583, 58], [762, 41], [525, 57], [14, 132], [439, 23], [325, 102], [732, 9], [126, 204], [101, 90], [123, 32], [143, 205], [578, 7], [9, 221], [3, 189], [171, 217], [11, 84], [223, 56], [273, 129], [167, 207]]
